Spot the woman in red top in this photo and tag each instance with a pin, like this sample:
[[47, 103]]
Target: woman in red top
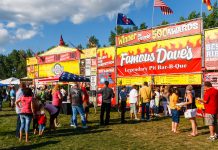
[[26, 111], [56, 101], [86, 100]]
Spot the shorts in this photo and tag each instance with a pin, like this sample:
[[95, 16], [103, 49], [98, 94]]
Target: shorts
[[210, 120], [41, 127], [133, 108], [152, 104], [175, 115]]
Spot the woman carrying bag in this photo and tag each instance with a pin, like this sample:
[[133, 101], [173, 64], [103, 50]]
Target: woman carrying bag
[[191, 110]]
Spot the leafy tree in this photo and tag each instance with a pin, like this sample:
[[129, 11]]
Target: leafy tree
[[112, 38], [93, 42], [164, 22], [143, 26]]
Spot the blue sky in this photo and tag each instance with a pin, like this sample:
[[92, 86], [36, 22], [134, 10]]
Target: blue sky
[[38, 24]]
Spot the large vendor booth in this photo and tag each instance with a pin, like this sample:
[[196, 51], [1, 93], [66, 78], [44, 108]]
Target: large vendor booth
[[166, 55]]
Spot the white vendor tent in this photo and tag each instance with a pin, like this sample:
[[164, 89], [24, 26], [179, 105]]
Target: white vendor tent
[[11, 80]]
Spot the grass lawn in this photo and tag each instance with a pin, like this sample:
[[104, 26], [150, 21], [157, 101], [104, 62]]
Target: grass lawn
[[133, 135]]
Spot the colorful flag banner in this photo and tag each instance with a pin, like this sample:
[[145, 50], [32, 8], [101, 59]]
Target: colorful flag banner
[[166, 10], [124, 20]]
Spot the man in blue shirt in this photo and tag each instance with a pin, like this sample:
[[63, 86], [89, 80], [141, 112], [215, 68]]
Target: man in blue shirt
[[123, 98]]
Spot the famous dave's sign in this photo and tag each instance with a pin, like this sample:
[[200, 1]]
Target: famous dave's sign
[[160, 33], [181, 55], [211, 49], [105, 57]]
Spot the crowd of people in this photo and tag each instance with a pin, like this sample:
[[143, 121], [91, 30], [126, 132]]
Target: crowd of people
[[144, 103], [148, 98]]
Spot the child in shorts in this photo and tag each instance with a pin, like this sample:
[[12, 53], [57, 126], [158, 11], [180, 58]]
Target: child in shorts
[[41, 121]]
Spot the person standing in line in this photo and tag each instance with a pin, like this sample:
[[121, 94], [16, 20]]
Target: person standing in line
[[157, 101], [57, 102], [86, 100], [211, 109], [145, 95], [19, 94], [164, 96], [107, 95], [133, 99], [76, 98], [63, 94], [123, 98], [190, 104], [26, 106], [174, 99], [13, 97]]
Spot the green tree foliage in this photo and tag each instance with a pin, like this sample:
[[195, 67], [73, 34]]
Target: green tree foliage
[[143, 26], [92, 42], [14, 64]]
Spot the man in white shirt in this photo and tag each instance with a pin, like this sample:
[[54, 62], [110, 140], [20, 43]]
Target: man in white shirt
[[133, 99]]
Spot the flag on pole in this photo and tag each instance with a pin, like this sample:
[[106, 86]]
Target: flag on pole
[[166, 10], [124, 20], [208, 3]]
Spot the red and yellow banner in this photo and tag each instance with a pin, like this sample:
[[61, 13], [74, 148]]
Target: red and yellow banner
[[105, 57], [133, 80], [181, 55], [54, 69], [88, 53], [211, 49], [182, 79], [160, 33], [32, 71], [31, 61], [106, 74]]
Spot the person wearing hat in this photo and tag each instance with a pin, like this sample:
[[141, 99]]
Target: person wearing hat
[[76, 98]]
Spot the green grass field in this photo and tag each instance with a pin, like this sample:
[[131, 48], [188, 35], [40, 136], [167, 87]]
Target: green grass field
[[133, 135]]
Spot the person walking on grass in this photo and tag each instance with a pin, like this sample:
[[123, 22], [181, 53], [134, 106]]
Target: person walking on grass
[[42, 121], [85, 100], [123, 98], [26, 111], [174, 99], [107, 95], [19, 94], [76, 98], [145, 95], [53, 112], [56, 101], [190, 104], [133, 99], [211, 109]]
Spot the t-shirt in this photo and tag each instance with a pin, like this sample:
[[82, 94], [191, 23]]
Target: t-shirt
[[145, 94], [41, 119], [173, 101], [55, 99], [86, 95], [211, 98], [12, 93], [107, 94], [157, 98], [26, 105], [123, 95], [19, 94], [133, 96], [51, 109], [76, 97]]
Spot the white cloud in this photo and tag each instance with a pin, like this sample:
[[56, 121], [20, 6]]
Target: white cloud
[[23, 34], [11, 25], [24, 19], [78, 11], [4, 37]]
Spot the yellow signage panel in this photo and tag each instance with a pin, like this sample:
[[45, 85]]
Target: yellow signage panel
[[88, 53], [31, 61], [54, 69], [184, 79], [133, 80]]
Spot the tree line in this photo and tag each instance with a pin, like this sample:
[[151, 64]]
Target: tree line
[[14, 64]]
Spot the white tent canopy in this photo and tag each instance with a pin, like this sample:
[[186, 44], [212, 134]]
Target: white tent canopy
[[11, 80]]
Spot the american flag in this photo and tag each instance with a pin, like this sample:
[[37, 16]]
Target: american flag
[[164, 8]]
